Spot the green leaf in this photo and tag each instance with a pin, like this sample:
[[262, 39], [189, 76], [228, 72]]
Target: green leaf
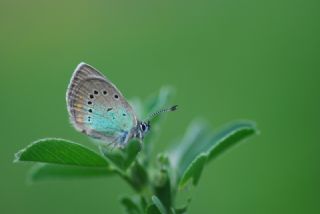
[[193, 171], [131, 206], [162, 181], [185, 152], [230, 137], [59, 151], [182, 210], [182, 204], [158, 204], [138, 175], [212, 147], [122, 158], [42, 172], [153, 209]]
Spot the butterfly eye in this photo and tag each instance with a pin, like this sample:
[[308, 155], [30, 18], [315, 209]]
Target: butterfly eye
[[143, 127]]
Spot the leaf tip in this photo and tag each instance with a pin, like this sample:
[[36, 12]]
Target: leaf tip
[[194, 170], [251, 125], [17, 155]]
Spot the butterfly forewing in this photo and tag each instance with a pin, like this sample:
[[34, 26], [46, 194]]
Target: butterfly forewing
[[96, 107]]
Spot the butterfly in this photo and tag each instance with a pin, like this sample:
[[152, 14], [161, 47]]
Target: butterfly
[[98, 109]]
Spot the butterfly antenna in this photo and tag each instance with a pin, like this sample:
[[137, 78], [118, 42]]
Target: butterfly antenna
[[157, 113]]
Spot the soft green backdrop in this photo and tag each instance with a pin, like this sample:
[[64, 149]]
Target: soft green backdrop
[[227, 59]]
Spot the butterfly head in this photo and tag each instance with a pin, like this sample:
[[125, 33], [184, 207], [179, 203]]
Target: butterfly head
[[142, 129], [145, 127]]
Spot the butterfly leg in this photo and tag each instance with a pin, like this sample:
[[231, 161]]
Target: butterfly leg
[[112, 144], [125, 141]]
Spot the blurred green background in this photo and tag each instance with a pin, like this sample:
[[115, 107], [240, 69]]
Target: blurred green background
[[227, 59]]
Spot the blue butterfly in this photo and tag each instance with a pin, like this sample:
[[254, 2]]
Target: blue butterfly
[[97, 108]]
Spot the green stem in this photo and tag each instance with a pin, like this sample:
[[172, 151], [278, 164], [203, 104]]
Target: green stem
[[123, 175]]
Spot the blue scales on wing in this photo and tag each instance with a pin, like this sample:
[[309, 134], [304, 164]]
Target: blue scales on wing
[[97, 108]]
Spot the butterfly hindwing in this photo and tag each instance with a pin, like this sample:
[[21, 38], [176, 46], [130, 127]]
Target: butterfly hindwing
[[96, 107]]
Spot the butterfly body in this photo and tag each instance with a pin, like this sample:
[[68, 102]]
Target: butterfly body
[[97, 108]]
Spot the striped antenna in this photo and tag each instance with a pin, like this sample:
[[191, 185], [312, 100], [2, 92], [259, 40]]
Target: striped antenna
[[157, 113]]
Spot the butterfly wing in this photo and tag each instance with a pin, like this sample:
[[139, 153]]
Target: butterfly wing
[[96, 107]]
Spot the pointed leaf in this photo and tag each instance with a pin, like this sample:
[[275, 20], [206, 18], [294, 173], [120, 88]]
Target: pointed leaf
[[158, 204], [230, 137], [182, 210], [130, 205], [184, 152], [182, 203], [42, 172], [194, 170], [60, 151], [212, 147]]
